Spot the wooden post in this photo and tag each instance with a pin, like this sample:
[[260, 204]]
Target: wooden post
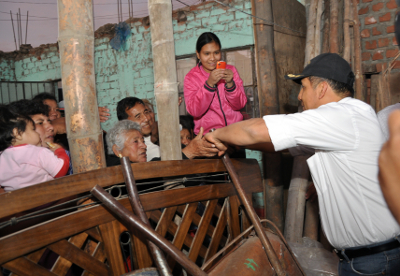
[[310, 39], [269, 103], [346, 31], [165, 80], [85, 137], [357, 53], [317, 42], [334, 26], [294, 221], [296, 201], [76, 43], [325, 43]]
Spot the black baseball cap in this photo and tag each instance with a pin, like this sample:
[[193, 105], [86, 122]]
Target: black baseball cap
[[328, 66]]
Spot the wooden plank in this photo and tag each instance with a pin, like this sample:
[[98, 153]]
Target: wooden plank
[[246, 222], [35, 256], [94, 233], [99, 254], [165, 220], [183, 228], [110, 236], [188, 240], [202, 230], [218, 233], [21, 243], [233, 221], [24, 267], [78, 257], [62, 265], [197, 218], [142, 255], [40, 194]]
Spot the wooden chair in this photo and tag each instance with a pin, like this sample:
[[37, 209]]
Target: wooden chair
[[89, 237]]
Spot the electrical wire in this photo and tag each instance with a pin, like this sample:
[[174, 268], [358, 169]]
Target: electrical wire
[[33, 3]]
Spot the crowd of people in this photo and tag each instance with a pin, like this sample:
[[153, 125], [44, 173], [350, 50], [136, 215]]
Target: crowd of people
[[343, 133]]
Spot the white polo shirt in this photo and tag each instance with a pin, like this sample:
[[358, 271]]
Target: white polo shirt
[[347, 140]]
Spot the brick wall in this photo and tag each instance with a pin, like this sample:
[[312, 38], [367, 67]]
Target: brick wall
[[379, 44]]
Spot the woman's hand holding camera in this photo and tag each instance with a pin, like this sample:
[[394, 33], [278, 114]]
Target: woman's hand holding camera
[[218, 74]]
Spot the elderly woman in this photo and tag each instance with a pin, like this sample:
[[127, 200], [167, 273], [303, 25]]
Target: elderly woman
[[125, 139]]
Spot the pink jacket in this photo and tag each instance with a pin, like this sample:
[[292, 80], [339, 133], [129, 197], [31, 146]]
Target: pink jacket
[[204, 103]]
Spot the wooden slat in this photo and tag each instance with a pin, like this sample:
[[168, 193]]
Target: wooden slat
[[188, 240], [24, 267], [110, 235], [218, 233], [202, 230], [78, 257], [234, 216], [35, 256], [94, 233], [63, 187], [183, 228], [21, 243], [166, 218], [62, 265], [142, 255], [99, 254], [246, 222], [211, 228]]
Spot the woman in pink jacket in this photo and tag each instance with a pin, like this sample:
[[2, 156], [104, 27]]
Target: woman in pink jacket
[[214, 97]]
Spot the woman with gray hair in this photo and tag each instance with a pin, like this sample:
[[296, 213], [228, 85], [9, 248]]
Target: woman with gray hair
[[125, 139]]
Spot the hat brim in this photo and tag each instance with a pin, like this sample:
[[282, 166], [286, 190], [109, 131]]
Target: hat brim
[[295, 78]]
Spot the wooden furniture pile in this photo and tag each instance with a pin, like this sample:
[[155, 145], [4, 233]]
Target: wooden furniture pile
[[89, 237]]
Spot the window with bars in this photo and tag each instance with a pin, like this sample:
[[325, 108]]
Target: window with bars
[[14, 91]]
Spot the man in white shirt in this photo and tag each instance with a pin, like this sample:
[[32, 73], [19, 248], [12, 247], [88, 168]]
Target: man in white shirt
[[346, 136], [134, 109]]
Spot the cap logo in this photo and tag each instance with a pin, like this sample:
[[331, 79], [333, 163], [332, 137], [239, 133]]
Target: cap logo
[[294, 76]]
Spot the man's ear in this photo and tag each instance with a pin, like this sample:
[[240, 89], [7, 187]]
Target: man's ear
[[116, 151], [323, 86]]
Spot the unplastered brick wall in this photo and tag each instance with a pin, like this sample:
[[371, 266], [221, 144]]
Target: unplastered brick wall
[[379, 44]]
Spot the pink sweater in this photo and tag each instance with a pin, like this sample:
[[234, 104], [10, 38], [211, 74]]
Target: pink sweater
[[203, 103], [26, 165]]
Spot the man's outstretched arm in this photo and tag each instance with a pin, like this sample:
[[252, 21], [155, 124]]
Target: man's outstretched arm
[[250, 133]]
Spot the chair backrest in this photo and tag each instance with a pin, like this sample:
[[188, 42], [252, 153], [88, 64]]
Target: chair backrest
[[197, 219]]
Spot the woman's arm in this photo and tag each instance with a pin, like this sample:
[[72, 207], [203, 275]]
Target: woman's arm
[[198, 94], [234, 92]]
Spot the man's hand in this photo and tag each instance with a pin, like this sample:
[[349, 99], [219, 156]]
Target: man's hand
[[389, 166], [210, 137], [59, 125], [199, 147], [103, 113]]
